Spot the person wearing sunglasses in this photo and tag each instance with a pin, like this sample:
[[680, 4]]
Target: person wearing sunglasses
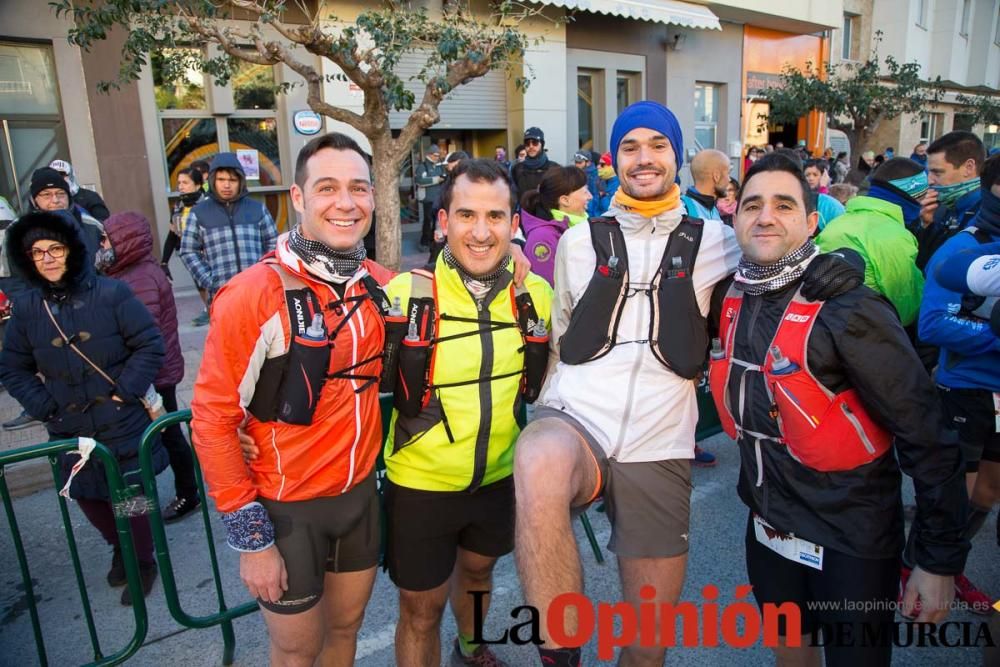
[[69, 322], [528, 174]]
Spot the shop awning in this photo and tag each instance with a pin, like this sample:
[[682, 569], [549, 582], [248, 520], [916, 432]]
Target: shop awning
[[659, 11]]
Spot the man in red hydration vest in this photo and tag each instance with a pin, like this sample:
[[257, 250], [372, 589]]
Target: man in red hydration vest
[[816, 393]]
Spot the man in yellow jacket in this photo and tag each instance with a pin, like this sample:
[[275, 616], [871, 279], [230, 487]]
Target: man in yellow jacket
[[462, 376]]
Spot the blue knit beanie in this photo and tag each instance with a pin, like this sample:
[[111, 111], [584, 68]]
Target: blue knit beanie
[[651, 115]]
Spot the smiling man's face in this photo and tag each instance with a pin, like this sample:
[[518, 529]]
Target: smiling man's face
[[772, 220], [647, 164], [336, 201]]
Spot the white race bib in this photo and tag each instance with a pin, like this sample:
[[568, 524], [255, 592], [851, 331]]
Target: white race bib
[[793, 548]]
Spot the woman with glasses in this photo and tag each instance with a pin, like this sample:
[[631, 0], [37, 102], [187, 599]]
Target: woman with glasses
[[80, 354]]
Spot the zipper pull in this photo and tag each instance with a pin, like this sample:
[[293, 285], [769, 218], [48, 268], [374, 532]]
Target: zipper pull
[[444, 419]]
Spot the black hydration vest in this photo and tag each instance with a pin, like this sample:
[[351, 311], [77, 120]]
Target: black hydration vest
[[678, 333], [283, 396]]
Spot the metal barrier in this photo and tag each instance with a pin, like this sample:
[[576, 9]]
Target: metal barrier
[[224, 617], [121, 495]]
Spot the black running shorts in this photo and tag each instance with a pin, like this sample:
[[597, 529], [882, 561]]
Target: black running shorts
[[330, 534], [972, 414], [425, 529]]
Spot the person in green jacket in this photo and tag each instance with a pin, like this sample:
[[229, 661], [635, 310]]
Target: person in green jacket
[[875, 226]]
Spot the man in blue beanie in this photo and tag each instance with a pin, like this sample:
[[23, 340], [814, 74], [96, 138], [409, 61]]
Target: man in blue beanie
[[628, 323], [617, 415]]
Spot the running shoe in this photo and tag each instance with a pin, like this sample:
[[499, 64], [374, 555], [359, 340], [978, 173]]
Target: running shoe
[[483, 657], [966, 591], [201, 320], [703, 459]]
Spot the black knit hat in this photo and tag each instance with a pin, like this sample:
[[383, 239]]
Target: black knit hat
[[46, 178], [33, 236]]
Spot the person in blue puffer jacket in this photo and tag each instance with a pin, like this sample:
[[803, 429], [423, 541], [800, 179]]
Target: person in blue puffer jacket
[[968, 371], [227, 231], [66, 306]]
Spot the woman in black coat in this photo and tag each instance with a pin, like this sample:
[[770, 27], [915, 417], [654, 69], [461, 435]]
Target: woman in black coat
[[56, 386]]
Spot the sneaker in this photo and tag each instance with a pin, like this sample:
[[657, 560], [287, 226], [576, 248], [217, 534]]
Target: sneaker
[[116, 575], [147, 575], [23, 420], [966, 591], [201, 320], [702, 459], [483, 657], [180, 507]]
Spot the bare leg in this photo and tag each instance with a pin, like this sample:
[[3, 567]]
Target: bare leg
[[666, 576], [296, 639], [418, 632], [986, 491], [473, 572], [345, 596], [553, 471]]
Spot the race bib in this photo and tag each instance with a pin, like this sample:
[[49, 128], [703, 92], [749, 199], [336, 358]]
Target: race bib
[[793, 548]]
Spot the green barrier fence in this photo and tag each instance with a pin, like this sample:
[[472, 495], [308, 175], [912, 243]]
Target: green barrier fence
[[224, 617], [123, 498]]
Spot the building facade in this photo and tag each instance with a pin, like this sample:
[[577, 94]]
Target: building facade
[[957, 41], [588, 59]]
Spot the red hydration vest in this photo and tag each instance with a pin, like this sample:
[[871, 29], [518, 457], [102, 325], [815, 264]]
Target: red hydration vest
[[822, 430]]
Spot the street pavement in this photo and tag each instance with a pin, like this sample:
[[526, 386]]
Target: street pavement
[[716, 557]]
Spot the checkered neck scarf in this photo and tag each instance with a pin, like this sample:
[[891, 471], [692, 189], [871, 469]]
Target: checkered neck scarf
[[324, 261], [478, 286], [759, 279]]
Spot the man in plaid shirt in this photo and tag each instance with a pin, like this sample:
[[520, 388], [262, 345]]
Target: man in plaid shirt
[[227, 231]]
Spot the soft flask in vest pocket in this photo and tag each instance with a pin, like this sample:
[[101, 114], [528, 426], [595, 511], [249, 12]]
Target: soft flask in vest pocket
[[825, 432], [395, 330], [409, 394], [308, 358], [536, 359]]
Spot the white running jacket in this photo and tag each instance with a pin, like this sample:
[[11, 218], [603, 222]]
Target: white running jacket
[[629, 402]]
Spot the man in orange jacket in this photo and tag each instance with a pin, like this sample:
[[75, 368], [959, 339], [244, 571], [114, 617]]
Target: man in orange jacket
[[293, 357]]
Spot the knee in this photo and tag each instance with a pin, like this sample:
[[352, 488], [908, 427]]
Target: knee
[[543, 455], [289, 651], [419, 612], [345, 624], [476, 571]]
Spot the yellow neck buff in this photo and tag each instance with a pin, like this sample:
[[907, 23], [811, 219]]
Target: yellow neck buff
[[648, 209]]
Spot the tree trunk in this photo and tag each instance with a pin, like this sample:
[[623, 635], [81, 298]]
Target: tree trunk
[[388, 232], [854, 142]]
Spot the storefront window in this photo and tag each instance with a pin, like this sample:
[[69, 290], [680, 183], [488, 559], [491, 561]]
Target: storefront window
[[626, 89], [253, 86], [27, 80], [187, 89], [239, 117], [32, 133], [585, 109], [186, 140], [255, 142], [706, 114]]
